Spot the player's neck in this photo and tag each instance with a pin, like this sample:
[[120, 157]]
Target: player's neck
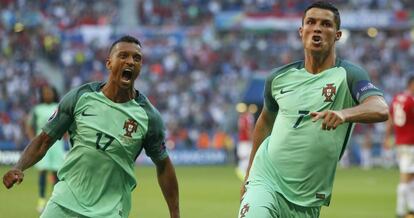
[[316, 63], [118, 94]]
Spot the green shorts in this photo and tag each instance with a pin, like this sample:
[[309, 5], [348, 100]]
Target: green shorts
[[53, 210], [260, 201]]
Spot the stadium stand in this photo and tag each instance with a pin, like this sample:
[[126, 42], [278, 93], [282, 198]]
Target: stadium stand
[[198, 59]]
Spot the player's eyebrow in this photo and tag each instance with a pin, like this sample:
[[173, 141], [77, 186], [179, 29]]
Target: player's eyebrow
[[319, 19]]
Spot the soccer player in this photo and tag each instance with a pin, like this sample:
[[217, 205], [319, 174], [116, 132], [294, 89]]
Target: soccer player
[[402, 122], [109, 124], [54, 157], [245, 126], [309, 110]]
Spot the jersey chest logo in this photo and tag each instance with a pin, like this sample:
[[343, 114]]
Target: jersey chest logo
[[130, 126], [329, 91]]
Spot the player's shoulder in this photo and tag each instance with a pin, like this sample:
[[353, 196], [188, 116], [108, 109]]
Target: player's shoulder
[[145, 103], [285, 69], [89, 87], [71, 98], [85, 88], [350, 67], [404, 97]]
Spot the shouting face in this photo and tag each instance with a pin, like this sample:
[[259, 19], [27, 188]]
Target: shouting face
[[319, 31], [124, 64]]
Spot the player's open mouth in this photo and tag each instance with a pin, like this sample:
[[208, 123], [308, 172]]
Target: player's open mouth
[[126, 75], [316, 39]]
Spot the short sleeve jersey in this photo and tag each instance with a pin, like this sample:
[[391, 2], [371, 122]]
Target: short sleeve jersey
[[97, 177], [39, 116], [402, 112], [300, 158]]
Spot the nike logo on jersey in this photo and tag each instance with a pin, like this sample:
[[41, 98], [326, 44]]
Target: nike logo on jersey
[[87, 115], [285, 91]]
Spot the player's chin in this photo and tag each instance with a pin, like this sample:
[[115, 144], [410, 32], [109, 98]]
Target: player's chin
[[126, 84]]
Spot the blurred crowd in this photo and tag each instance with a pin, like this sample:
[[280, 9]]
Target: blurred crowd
[[194, 74], [193, 12]]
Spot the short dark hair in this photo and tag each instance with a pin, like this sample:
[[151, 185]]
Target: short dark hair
[[125, 38], [326, 6]]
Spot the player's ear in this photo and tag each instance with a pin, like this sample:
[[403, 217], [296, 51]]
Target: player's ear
[[108, 64], [338, 35], [300, 31]]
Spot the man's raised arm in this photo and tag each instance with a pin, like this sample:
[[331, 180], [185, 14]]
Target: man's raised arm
[[33, 153]]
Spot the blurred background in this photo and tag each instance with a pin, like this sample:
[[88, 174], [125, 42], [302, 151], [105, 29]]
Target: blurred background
[[204, 64]]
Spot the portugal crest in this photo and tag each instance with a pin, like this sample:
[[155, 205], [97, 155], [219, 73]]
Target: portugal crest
[[329, 91], [130, 126]]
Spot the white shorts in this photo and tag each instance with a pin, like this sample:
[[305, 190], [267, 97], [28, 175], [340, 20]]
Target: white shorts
[[405, 157], [243, 149]]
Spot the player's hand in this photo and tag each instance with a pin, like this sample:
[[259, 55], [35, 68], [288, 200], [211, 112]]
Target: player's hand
[[331, 119], [12, 177]]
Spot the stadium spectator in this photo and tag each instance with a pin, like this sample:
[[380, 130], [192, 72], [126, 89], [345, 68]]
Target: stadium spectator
[[309, 108], [109, 124], [402, 124], [203, 141]]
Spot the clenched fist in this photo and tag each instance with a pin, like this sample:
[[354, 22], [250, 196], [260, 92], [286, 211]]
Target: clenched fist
[[330, 119], [11, 177]]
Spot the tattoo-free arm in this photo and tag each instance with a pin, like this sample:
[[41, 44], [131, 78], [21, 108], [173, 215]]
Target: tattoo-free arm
[[169, 185], [262, 130], [373, 109], [33, 153]]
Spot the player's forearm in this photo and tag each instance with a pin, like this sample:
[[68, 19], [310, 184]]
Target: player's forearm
[[169, 186], [34, 152], [373, 109], [261, 131]]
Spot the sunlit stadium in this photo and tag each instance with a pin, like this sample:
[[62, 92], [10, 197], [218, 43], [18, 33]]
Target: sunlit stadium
[[204, 64]]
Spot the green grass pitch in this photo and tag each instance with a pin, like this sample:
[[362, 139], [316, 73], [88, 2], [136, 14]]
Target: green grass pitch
[[213, 191]]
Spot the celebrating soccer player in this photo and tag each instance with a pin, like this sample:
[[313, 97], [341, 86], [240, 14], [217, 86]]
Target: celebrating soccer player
[[109, 124], [309, 110]]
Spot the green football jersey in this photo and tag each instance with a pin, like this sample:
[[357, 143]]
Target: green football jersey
[[97, 177], [54, 157], [300, 159]]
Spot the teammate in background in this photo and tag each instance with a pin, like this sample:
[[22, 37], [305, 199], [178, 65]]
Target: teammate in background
[[54, 157], [309, 110], [245, 127], [402, 124], [109, 124]]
